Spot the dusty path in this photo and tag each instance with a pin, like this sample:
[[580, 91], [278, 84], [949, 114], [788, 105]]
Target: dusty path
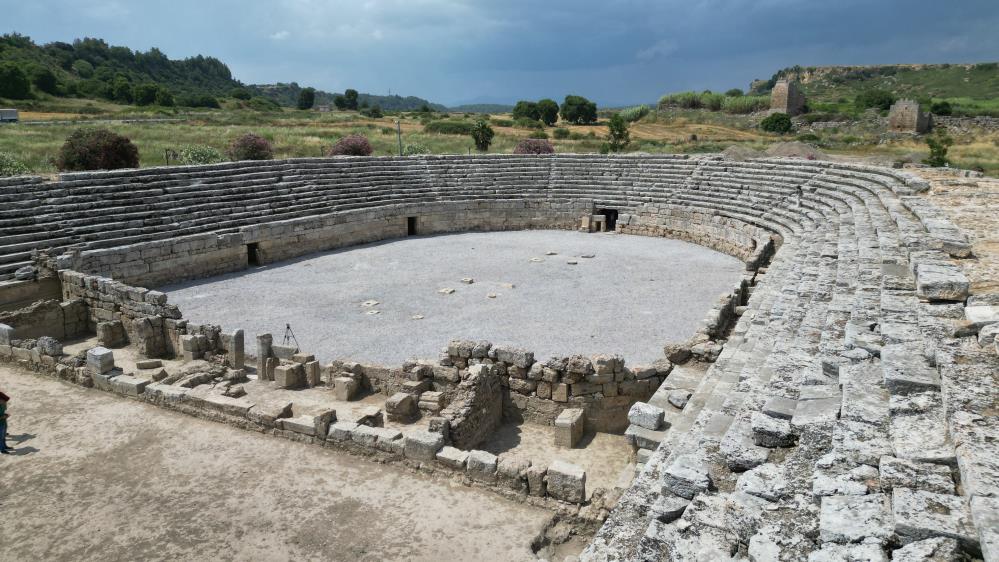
[[100, 477]]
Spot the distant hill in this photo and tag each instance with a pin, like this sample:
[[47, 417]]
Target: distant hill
[[482, 108], [832, 83], [91, 68], [287, 95]]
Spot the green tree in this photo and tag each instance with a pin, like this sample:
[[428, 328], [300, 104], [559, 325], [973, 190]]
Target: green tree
[[241, 94], [734, 93], [14, 82], [83, 68], [307, 98], [340, 102], [526, 110], [145, 94], [579, 110], [938, 143], [776, 123], [44, 79], [483, 135], [549, 111], [350, 96], [121, 89], [164, 97], [618, 137]]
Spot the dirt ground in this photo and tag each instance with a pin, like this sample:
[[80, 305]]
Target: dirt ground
[[97, 476]]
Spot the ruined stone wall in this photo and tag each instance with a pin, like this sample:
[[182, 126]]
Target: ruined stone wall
[[787, 98], [51, 318], [906, 116]]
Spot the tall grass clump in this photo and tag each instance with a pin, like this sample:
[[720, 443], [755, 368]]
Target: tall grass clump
[[633, 114], [743, 105]]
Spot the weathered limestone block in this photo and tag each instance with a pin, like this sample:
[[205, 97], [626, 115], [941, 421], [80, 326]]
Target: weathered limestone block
[[848, 553], [312, 373], [481, 466], [646, 415], [150, 337], [941, 282], [566, 482], [569, 426], [267, 415], [902, 473], [929, 550], [6, 334], [100, 360], [345, 388], [536, 480], [922, 515], [341, 431], [985, 513], [236, 350], [452, 458], [514, 356], [111, 334], [852, 519], [423, 445], [400, 407], [49, 346], [290, 376], [780, 407], [687, 476], [772, 432], [511, 471], [390, 441], [128, 385]]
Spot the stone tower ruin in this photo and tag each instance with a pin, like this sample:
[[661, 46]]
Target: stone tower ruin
[[906, 116], [787, 98]]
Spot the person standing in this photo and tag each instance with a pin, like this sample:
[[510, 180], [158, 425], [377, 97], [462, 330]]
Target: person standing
[[4, 450]]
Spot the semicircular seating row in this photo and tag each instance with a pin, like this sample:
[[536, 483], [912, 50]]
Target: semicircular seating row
[[833, 327]]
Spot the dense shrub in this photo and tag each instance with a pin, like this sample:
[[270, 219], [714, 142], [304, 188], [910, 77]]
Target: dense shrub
[[164, 98], [538, 135], [776, 123], [874, 98], [374, 112], [745, 104], [97, 149], [534, 146], [449, 127], [202, 100], [352, 145], [83, 68], [579, 110], [200, 154], [576, 136], [502, 122], [14, 82], [526, 110], [525, 123], [561, 133], [241, 94], [618, 137], [415, 149], [809, 137], [633, 114], [250, 147], [260, 103], [306, 98], [549, 111], [734, 93], [941, 108], [145, 94], [482, 134], [11, 166], [939, 144]]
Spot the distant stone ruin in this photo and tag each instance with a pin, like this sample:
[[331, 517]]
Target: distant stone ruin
[[906, 116], [787, 98]]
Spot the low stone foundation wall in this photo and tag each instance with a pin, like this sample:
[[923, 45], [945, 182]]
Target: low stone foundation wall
[[51, 318]]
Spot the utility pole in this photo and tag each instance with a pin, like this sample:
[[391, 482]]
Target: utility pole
[[398, 134]]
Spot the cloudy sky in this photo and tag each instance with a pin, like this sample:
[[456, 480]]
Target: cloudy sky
[[452, 51]]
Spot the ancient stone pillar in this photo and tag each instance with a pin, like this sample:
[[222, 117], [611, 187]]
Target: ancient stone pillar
[[264, 342], [236, 350]]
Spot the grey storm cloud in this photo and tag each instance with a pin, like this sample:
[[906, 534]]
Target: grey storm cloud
[[451, 51]]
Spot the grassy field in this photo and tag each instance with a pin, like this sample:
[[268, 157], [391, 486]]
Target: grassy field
[[310, 134]]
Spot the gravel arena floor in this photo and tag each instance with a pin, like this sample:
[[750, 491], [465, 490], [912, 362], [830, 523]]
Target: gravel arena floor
[[98, 477], [381, 302]]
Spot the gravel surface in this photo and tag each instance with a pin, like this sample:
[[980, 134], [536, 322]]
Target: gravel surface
[[382, 302]]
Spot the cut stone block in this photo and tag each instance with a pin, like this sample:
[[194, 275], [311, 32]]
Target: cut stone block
[[289, 376], [740, 449], [641, 438], [906, 371], [344, 388], [400, 407], [780, 407], [985, 513], [268, 415], [302, 424], [536, 480], [646, 415], [848, 553], [6, 334], [566, 482], [129, 385], [941, 282], [303, 358], [771, 432], [569, 427], [100, 360], [423, 445], [148, 364], [390, 441], [687, 476], [930, 550], [452, 457], [922, 515], [852, 519], [481, 466], [341, 431], [766, 481], [817, 411], [929, 477], [511, 471], [312, 374]]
